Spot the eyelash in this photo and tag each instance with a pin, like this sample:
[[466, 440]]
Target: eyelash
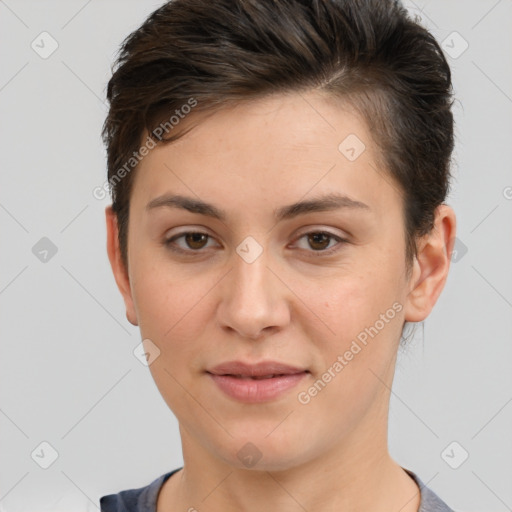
[[326, 252]]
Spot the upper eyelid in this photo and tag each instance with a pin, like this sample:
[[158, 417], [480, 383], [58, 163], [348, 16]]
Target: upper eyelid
[[321, 230], [204, 231], [189, 231]]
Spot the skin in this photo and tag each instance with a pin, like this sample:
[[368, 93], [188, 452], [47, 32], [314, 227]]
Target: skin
[[292, 304]]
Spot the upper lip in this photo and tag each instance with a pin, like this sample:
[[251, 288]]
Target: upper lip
[[260, 369]]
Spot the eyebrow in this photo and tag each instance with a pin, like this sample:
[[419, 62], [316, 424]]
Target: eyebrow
[[323, 203]]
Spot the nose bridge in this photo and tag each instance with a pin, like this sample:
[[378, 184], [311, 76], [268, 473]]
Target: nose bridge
[[251, 300], [252, 279]]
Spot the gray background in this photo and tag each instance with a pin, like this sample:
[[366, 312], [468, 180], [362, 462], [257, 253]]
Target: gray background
[[68, 373]]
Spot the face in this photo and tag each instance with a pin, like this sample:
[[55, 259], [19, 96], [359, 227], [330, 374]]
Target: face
[[321, 286]]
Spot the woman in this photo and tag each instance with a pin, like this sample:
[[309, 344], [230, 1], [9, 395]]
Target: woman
[[278, 172]]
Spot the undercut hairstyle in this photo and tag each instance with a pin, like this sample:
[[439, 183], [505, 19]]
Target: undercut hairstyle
[[192, 56]]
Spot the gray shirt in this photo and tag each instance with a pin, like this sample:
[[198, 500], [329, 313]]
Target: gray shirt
[[144, 499]]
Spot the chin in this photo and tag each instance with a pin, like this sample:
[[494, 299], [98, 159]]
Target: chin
[[260, 453]]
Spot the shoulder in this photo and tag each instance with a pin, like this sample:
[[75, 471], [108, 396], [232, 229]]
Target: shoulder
[[142, 499], [430, 501]]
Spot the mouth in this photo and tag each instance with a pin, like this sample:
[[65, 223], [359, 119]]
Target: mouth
[[252, 389]]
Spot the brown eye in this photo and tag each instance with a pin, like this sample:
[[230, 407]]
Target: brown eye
[[191, 242], [196, 240], [319, 241]]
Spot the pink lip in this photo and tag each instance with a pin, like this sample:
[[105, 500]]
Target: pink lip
[[233, 378], [254, 391]]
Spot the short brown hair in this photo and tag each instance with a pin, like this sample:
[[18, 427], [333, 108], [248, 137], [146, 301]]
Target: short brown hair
[[369, 52]]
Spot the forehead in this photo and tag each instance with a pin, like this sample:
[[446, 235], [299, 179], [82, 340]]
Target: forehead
[[281, 146]]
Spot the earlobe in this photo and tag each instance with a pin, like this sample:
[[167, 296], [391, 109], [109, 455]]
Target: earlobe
[[118, 268], [431, 265]]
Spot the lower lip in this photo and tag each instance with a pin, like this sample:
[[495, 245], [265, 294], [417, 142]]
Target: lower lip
[[256, 390]]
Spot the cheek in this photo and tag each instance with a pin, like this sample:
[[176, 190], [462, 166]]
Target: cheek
[[350, 304], [170, 305], [173, 310], [364, 315]]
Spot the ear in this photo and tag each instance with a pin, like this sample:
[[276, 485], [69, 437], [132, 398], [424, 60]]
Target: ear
[[118, 268], [431, 265]]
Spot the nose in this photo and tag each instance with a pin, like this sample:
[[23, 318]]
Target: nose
[[254, 301]]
